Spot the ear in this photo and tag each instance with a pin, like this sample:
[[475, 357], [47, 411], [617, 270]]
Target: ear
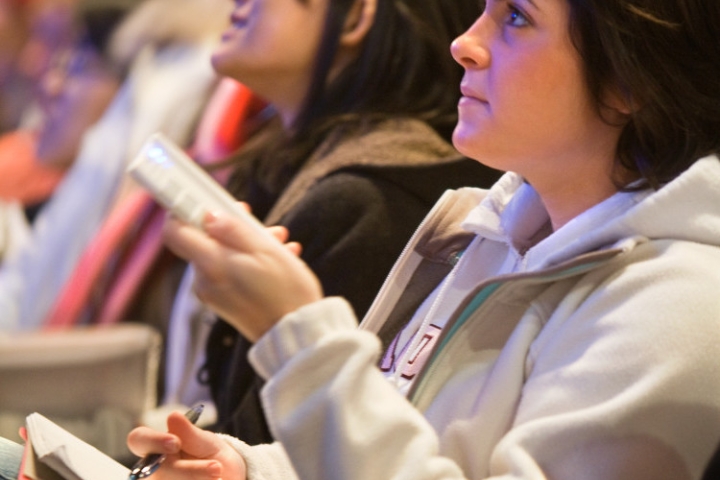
[[358, 22], [619, 101]]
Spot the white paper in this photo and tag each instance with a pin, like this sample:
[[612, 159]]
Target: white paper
[[68, 455]]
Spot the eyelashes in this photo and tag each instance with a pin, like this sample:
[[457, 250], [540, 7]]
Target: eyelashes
[[516, 17]]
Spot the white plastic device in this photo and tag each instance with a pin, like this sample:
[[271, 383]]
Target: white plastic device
[[181, 185]]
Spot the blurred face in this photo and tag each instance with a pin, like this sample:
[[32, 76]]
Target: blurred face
[[271, 46], [51, 30], [75, 91], [525, 105]]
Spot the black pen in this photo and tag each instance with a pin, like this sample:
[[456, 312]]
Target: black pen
[[147, 465]]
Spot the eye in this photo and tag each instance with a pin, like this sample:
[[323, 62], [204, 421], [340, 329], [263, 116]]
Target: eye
[[516, 17]]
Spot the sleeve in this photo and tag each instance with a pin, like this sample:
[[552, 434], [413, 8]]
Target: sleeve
[[332, 409], [263, 462]]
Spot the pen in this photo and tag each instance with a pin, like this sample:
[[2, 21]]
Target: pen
[[147, 465]]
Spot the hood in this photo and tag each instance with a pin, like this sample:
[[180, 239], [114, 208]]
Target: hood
[[685, 209]]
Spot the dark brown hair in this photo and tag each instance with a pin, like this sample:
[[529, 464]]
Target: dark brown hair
[[663, 58]]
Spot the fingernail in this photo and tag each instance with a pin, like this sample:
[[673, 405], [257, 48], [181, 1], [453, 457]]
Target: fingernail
[[214, 469], [211, 217], [171, 445]]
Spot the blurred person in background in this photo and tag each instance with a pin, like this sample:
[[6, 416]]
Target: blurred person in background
[[164, 44], [75, 87], [49, 26]]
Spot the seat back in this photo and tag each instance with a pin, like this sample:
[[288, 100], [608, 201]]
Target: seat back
[[80, 378]]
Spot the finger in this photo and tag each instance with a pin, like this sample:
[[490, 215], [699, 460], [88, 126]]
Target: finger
[[203, 452], [143, 441], [279, 232], [193, 469], [294, 247], [238, 233], [185, 240], [195, 441]]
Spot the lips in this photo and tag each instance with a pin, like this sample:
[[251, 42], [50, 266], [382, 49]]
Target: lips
[[471, 93], [238, 21]]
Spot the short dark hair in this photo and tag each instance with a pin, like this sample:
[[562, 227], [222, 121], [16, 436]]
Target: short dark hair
[[663, 57]]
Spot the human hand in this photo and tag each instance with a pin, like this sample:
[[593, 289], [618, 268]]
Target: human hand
[[191, 453], [249, 281]]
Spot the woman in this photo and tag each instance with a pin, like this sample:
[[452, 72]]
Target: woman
[[364, 105]]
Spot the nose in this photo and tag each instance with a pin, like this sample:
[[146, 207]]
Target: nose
[[470, 49], [50, 86], [52, 83]]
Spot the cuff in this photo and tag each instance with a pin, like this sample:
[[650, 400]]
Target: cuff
[[298, 330]]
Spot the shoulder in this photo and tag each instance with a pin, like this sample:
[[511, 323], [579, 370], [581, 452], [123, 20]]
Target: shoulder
[[347, 197], [393, 142], [663, 296]]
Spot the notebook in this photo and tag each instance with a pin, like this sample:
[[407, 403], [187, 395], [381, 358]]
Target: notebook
[[53, 453]]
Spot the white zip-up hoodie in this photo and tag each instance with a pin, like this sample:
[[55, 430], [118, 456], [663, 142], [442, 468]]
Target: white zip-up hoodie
[[594, 358]]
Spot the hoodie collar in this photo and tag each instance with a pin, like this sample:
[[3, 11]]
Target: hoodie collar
[[684, 209]]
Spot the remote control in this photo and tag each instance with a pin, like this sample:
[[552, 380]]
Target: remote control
[[181, 185]]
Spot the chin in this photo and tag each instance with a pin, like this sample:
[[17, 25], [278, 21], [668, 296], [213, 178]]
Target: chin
[[467, 143], [464, 139], [217, 62], [223, 59]]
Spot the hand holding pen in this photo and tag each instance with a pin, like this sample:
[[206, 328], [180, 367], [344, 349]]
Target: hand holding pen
[[147, 465]]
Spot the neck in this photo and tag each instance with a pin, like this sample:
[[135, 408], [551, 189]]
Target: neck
[[563, 206]]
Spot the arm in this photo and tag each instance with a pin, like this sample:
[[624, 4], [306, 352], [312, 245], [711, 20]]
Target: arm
[[621, 383]]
